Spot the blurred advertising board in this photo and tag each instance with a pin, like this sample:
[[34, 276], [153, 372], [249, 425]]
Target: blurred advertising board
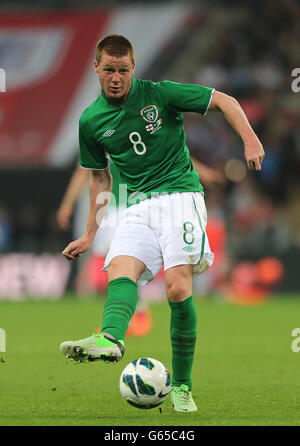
[[42, 276]]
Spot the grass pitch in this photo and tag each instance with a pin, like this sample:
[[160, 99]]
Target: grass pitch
[[245, 372]]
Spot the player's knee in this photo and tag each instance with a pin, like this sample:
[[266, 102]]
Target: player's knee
[[177, 291], [122, 266]]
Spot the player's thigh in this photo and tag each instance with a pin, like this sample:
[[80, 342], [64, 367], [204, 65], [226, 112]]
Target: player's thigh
[[125, 266], [140, 242], [179, 282]]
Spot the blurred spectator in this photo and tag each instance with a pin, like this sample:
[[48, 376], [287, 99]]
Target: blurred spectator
[[5, 230], [254, 64]]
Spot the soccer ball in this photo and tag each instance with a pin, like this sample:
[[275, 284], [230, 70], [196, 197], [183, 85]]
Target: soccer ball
[[145, 383]]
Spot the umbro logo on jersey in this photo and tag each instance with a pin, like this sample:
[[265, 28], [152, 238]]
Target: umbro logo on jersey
[[108, 132]]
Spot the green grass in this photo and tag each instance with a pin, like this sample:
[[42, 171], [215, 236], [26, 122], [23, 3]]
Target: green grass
[[245, 372]]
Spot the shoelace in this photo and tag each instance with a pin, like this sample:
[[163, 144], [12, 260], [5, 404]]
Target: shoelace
[[183, 393]]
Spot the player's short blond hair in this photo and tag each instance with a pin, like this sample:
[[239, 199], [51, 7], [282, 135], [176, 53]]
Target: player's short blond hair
[[115, 45]]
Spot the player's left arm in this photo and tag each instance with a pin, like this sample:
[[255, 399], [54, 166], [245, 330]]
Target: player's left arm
[[233, 112], [207, 175]]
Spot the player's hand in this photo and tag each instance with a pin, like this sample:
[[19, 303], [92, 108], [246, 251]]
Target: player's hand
[[254, 154], [76, 248]]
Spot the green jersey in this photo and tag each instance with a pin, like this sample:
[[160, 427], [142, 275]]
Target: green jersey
[[145, 136], [115, 186]]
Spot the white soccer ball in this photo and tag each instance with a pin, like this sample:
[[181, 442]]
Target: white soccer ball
[[145, 383]]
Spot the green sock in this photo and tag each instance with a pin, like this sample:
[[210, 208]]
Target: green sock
[[183, 332], [119, 307]]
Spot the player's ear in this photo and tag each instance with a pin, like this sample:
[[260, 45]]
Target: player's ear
[[96, 66], [133, 67]]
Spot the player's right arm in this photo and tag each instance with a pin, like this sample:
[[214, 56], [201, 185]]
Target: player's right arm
[[100, 186], [94, 158]]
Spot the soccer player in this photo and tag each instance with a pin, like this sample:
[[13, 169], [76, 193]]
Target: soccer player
[[139, 123], [91, 277]]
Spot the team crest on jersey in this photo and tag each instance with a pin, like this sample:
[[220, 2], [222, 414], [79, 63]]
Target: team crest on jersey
[[149, 113], [152, 128]]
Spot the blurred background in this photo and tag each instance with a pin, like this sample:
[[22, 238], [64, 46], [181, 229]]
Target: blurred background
[[245, 49]]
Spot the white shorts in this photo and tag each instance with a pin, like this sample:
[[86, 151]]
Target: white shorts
[[167, 229]]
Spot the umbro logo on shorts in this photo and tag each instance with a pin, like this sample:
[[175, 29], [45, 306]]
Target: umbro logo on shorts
[[189, 248], [108, 132]]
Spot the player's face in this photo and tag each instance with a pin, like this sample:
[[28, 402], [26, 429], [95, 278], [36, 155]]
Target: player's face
[[115, 74]]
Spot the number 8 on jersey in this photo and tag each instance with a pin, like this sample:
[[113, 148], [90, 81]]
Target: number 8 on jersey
[[137, 142]]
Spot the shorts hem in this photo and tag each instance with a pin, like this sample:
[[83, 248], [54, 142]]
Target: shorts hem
[[146, 277], [200, 265], [107, 261]]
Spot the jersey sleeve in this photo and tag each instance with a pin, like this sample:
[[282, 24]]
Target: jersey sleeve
[[186, 97], [92, 154]]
